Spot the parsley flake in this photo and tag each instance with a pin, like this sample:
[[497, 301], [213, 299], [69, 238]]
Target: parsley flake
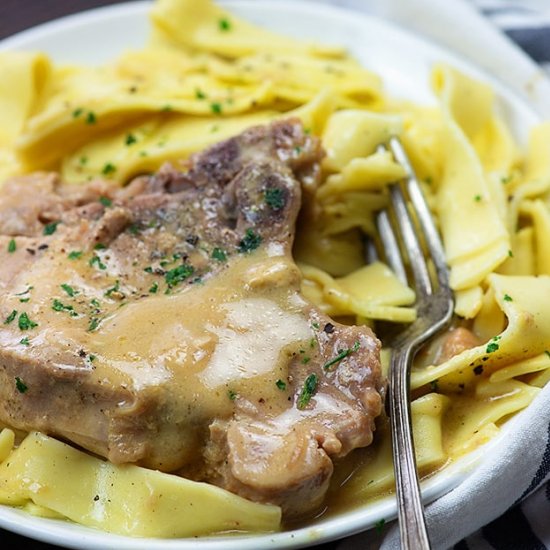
[[130, 139], [309, 389], [105, 201], [25, 341], [216, 108], [58, 305], [10, 317], [25, 323], [477, 198], [69, 289], [250, 241], [280, 384], [154, 288], [12, 246], [224, 24], [342, 354], [491, 347], [94, 323], [232, 395], [547, 352], [274, 198], [20, 385], [178, 274], [77, 112], [109, 168], [219, 254], [507, 298], [379, 525], [199, 94], [91, 118], [50, 228], [96, 260], [74, 254]]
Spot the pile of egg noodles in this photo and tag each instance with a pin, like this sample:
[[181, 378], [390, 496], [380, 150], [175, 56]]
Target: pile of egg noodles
[[206, 75]]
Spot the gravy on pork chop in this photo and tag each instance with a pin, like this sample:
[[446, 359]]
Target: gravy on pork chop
[[162, 324]]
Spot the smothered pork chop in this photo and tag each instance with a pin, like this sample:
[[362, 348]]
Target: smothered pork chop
[[161, 324]]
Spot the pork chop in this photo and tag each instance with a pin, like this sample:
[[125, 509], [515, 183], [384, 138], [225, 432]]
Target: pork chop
[[161, 324]]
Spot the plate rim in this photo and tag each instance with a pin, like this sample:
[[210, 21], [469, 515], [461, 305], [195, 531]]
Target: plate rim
[[60, 531]]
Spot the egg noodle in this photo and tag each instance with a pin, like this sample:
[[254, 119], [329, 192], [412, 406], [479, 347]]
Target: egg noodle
[[207, 75]]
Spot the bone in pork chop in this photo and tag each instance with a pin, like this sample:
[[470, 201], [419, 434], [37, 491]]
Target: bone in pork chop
[[162, 324]]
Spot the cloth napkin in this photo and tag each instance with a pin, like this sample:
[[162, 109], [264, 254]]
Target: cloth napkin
[[505, 504]]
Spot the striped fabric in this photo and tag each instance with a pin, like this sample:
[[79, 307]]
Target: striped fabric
[[526, 22]]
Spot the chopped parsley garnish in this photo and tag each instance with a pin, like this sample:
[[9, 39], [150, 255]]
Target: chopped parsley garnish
[[232, 395], [99, 246], [24, 300], [510, 254], [50, 228], [130, 139], [315, 325], [306, 360], [281, 385], [167, 108], [109, 168], [114, 288], [10, 317], [342, 354], [105, 201], [507, 298], [274, 198], [219, 254], [78, 112], [74, 254], [154, 288], [309, 389], [224, 24], [12, 246], [25, 323], [58, 305], [250, 241], [20, 385], [379, 525], [148, 269], [199, 94], [477, 198], [547, 352], [97, 261], [69, 289], [178, 274], [94, 323], [25, 341], [91, 118], [216, 107], [95, 302], [491, 347]]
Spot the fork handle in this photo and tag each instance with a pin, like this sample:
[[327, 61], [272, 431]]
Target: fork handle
[[412, 524]]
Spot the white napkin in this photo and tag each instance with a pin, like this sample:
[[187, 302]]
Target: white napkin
[[482, 512]]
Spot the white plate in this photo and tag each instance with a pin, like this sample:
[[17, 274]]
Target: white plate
[[404, 61]]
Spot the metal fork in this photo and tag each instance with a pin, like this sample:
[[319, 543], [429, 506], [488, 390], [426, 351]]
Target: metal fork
[[434, 303]]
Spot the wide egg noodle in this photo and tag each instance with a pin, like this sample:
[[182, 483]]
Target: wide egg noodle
[[206, 27], [372, 291], [46, 472], [527, 334], [475, 238], [24, 77]]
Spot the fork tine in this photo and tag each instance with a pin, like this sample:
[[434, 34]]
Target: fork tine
[[414, 250], [390, 245], [423, 213]]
